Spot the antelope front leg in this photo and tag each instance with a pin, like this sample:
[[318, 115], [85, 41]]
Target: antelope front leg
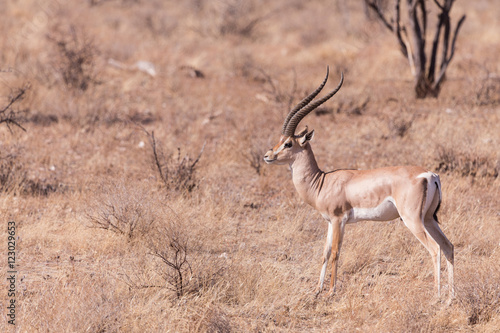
[[326, 256], [337, 243], [333, 241]]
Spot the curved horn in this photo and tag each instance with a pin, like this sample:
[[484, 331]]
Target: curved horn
[[304, 102], [292, 124]]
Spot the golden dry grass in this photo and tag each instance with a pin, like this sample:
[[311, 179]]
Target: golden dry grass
[[252, 246]]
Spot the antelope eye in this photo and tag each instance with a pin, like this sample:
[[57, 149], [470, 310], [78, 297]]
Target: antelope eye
[[288, 144]]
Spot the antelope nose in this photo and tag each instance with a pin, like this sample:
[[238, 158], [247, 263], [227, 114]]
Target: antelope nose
[[268, 156]]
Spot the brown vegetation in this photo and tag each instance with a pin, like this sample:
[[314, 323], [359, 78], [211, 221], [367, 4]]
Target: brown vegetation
[[108, 243]]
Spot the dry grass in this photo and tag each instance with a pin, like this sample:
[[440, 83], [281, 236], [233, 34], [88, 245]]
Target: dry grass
[[102, 236]]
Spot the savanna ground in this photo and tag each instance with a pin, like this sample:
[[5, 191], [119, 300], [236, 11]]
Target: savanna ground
[[104, 238]]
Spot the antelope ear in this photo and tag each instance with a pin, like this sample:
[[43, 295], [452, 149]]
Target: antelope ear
[[301, 133], [306, 137]]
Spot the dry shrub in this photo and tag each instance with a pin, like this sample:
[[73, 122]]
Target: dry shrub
[[40, 187], [235, 19], [232, 17], [14, 178], [182, 266], [43, 119], [75, 60], [171, 246], [353, 106], [177, 173], [399, 126], [255, 155], [489, 91], [274, 87], [466, 163], [171, 258], [75, 85], [11, 174], [124, 208]]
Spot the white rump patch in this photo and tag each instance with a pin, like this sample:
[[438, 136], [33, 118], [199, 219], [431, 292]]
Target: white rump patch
[[427, 175], [432, 179]]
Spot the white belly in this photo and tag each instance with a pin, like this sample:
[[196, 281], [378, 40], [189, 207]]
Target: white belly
[[385, 211]]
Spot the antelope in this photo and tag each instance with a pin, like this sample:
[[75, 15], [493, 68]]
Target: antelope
[[349, 196]]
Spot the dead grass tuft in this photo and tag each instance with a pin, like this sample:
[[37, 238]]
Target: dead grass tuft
[[488, 92], [15, 177], [11, 174], [466, 163], [480, 297]]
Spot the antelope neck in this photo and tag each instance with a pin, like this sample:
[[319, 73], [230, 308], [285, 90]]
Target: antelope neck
[[307, 176]]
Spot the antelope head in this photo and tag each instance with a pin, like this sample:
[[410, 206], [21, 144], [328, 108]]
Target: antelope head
[[290, 144]]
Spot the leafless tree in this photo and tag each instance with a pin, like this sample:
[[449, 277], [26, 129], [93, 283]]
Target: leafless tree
[[412, 39]]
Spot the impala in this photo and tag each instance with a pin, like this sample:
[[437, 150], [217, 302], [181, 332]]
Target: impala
[[348, 196]]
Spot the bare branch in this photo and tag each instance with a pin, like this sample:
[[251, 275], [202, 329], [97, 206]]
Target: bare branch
[[199, 155], [447, 61], [417, 39], [269, 79], [174, 254], [9, 116], [156, 158], [435, 45], [380, 14], [152, 142], [445, 19], [14, 99], [405, 49], [409, 52], [394, 26], [424, 19], [457, 29], [439, 5]]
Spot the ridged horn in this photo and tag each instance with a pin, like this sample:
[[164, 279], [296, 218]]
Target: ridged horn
[[298, 116], [304, 102]]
